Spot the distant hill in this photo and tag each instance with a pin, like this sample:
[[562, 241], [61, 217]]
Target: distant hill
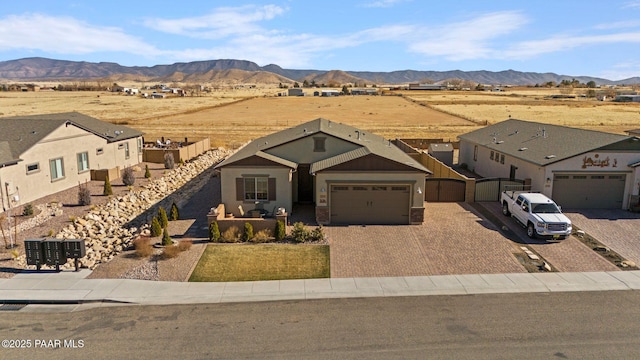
[[43, 69]]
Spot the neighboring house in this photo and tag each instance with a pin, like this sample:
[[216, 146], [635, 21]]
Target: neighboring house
[[427, 87], [353, 177], [627, 98], [295, 92], [442, 152], [329, 92], [577, 168], [364, 91], [43, 154]]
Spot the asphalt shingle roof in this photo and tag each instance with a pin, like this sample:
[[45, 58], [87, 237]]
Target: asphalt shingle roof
[[20, 133], [371, 143], [541, 144]]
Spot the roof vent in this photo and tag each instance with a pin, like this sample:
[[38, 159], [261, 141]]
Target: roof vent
[[549, 156], [522, 149], [500, 142]]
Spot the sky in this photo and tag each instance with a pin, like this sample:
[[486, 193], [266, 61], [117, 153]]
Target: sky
[[566, 37]]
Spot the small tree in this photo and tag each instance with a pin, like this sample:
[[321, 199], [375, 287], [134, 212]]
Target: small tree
[[247, 234], [300, 233], [174, 214], [27, 210], [107, 191], [166, 239], [128, 177], [280, 231], [162, 217], [84, 195], [147, 173], [156, 228], [169, 161], [317, 234], [214, 232]]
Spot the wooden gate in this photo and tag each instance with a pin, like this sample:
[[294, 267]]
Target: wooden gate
[[445, 190], [489, 189]]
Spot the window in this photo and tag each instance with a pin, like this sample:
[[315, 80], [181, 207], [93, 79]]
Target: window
[[99, 151], [318, 144], [139, 145], [491, 155], [501, 158], [126, 150], [83, 162], [256, 188], [475, 153], [497, 157], [57, 169], [33, 168]]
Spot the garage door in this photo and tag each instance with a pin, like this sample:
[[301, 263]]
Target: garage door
[[370, 204], [589, 191]]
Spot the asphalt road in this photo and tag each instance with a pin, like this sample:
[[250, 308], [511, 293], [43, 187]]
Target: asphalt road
[[598, 325]]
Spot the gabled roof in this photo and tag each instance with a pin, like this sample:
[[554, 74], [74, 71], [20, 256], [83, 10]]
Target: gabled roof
[[370, 144], [544, 144], [20, 133]]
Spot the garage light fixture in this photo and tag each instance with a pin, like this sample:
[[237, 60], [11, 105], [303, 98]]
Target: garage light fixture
[[419, 191]]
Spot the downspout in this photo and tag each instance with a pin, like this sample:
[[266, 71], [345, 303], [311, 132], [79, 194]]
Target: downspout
[[4, 208]]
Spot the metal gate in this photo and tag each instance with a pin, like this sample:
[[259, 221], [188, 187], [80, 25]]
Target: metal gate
[[489, 189], [445, 190]]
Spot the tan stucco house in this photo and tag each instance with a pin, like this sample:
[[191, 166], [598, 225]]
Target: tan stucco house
[[44, 154], [577, 168], [352, 176]]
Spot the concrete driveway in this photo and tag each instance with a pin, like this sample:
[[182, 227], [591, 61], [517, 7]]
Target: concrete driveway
[[454, 239]]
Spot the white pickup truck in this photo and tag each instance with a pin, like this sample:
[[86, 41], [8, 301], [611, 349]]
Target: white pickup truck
[[539, 214]]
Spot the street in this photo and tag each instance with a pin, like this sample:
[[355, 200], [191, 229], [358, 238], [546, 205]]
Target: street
[[540, 326]]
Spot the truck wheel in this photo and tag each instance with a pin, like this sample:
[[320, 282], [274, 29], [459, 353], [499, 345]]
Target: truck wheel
[[531, 231], [505, 209]]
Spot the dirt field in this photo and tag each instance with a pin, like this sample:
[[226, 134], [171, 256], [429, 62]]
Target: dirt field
[[232, 117]]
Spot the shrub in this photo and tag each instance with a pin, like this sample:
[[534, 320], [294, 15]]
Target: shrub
[[184, 245], [214, 232], [107, 187], [147, 173], [262, 236], [174, 214], [27, 210], [169, 161], [143, 247], [280, 231], [231, 235], [128, 177], [162, 217], [156, 228], [300, 233], [170, 252], [317, 234], [247, 234], [84, 195], [166, 239], [51, 233]]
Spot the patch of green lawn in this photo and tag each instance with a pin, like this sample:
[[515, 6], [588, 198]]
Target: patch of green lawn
[[262, 262]]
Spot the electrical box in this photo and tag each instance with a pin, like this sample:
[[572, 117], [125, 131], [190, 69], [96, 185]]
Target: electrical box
[[74, 248], [54, 252]]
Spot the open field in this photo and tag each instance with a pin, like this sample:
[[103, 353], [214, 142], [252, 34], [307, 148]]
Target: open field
[[262, 262], [232, 117]]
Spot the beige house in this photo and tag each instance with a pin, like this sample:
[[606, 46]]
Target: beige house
[[44, 154], [577, 168], [352, 176]]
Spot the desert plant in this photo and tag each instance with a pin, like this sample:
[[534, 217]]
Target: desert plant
[[174, 214], [280, 231], [156, 228], [166, 239], [51, 233], [162, 217], [262, 236], [300, 233], [170, 252], [128, 177], [317, 234], [184, 245], [247, 234], [106, 191], [143, 247], [27, 210], [214, 232], [147, 173], [231, 235], [169, 161], [84, 195]]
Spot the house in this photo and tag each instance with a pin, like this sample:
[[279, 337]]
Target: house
[[577, 168], [364, 91], [295, 92], [352, 176], [442, 152], [627, 98], [44, 154], [417, 86], [329, 92]]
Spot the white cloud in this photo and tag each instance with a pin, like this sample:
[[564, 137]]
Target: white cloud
[[469, 39], [622, 71], [382, 3], [618, 25], [66, 35], [528, 49], [635, 4]]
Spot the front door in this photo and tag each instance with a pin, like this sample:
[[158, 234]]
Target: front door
[[305, 184]]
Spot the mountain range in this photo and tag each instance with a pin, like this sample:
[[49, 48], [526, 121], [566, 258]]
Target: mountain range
[[243, 71]]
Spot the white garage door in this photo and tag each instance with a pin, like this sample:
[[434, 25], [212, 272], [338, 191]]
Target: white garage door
[[370, 204], [589, 191]]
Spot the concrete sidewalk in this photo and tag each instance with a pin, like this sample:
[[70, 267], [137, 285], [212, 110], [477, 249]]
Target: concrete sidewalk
[[50, 289]]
